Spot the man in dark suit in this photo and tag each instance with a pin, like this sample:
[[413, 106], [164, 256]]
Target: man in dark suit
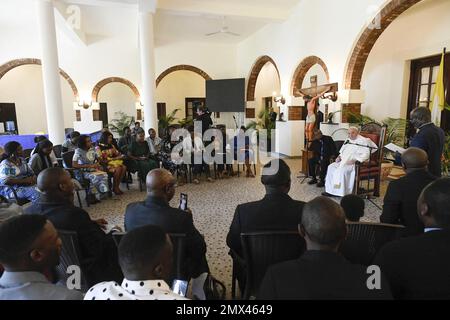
[[419, 267], [276, 211], [155, 210], [97, 248], [321, 273], [400, 201], [429, 138], [323, 149]]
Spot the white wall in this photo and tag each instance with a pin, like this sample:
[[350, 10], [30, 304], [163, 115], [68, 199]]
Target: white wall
[[419, 32], [176, 87], [24, 87], [118, 97], [267, 83]]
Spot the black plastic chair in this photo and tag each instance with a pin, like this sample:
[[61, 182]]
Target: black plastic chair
[[178, 242], [57, 149], [85, 184], [264, 249], [70, 256], [364, 240]]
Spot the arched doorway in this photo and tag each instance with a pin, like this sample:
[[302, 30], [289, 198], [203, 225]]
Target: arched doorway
[[28, 97], [254, 73]]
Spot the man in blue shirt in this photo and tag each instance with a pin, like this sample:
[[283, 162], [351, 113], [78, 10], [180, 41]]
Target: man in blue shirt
[[428, 138], [29, 250]]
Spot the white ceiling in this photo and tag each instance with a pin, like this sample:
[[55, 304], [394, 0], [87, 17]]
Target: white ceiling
[[175, 20], [185, 20]]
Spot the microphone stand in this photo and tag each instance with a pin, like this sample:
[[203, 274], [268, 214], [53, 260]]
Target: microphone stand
[[367, 196]]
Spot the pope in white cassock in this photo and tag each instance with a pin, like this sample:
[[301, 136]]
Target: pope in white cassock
[[340, 178]]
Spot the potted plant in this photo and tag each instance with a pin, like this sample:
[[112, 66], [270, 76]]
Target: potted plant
[[263, 122], [164, 122], [121, 121]]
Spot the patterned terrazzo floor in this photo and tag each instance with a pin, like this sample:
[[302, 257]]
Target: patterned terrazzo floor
[[213, 206]]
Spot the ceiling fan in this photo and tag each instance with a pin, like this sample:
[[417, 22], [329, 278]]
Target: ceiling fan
[[224, 30]]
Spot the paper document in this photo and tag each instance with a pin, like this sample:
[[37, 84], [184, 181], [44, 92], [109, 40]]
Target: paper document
[[394, 148]]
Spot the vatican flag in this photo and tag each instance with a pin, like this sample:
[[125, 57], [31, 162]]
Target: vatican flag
[[438, 103]]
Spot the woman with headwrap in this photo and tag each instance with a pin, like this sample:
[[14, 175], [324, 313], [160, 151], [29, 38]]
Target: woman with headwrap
[[41, 160], [16, 174]]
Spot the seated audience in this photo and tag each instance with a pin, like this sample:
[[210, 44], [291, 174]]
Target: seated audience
[[71, 143], [194, 148], [56, 204], [85, 159], [52, 155], [418, 267], [155, 210], [125, 140], [139, 155], [400, 201], [16, 174], [154, 142], [41, 160], [276, 211], [320, 273], [145, 256], [111, 159], [30, 249], [242, 150], [353, 206], [165, 153]]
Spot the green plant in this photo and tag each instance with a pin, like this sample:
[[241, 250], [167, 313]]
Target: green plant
[[263, 122], [121, 121], [331, 116], [446, 156], [186, 122], [165, 121], [360, 119], [396, 130]]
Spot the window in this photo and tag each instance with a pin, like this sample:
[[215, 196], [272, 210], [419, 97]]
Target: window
[[424, 74]]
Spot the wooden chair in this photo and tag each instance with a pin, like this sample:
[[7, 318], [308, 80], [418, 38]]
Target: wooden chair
[[371, 170]]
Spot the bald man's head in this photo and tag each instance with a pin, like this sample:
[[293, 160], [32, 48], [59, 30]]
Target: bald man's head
[[161, 183], [414, 158], [323, 222], [55, 182]]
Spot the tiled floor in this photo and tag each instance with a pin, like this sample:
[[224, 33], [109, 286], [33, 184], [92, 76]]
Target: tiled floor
[[213, 206]]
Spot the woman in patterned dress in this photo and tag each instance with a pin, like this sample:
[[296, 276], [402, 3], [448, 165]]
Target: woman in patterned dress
[[15, 173], [111, 159], [86, 161]]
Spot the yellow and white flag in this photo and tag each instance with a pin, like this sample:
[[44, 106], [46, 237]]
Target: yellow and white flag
[[438, 102]]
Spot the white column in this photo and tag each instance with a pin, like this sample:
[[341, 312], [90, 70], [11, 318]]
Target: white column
[[50, 71], [147, 52]]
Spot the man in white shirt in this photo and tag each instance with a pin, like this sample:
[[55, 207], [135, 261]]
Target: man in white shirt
[[154, 142], [340, 178], [146, 257]]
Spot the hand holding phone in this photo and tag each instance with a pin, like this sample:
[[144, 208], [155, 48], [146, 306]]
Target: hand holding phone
[[183, 201]]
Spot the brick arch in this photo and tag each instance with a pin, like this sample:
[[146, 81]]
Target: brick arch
[[106, 81], [366, 41], [254, 73], [8, 66], [301, 71], [182, 67]]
